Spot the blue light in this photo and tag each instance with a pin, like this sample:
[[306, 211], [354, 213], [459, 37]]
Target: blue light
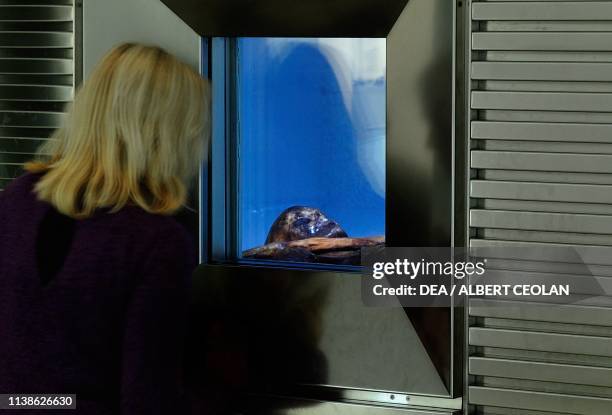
[[311, 132]]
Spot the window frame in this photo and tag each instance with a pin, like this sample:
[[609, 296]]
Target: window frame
[[218, 199]]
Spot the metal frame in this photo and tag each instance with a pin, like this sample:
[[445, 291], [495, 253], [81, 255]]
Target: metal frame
[[216, 196]]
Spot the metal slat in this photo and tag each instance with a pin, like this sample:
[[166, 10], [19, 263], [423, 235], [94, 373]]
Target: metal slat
[[536, 251], [540, 401], [37, 66], [549, 372], [36, 79], [562, 313], [40, 53], [39, 13], [543, 71], [31, 119], [36, 93], [13, 145], [540, 206], [538, 221], [14, 158], [542, 131], [578, 284], [545, 236], [36, 2], [543, 11], [554, 192], [544, 177], [546, 116], [546, 41], [36, 40], [544, 101], [25, 133], [546, 147], [562, 162], [545, 26], [539, 341], [36, 26], [545, 56]]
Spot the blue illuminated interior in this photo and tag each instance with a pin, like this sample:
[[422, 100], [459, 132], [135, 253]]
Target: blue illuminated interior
[[311, 132]]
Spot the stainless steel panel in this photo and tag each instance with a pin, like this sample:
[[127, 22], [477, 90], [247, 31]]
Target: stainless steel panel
[[545, 101], [545, 116], [546, 26], [36, 40], [545, 236], [588, 163], [546, 56], [548, 342], [40, 13], [277, 18], [540, 206], [572, 314], [36, 93], [544, 86], [36, 66], [559, 222], [542, 41], [560, 192], [28, 79], [35, 2], [420, 126], [31, 119], [25, 133], [539, 401], [593, 10], [592, 255], [580, 284], [542, 131], [546, 146], [548, 372], [544, 71], [544, 176], [258, 405], [11, 145]]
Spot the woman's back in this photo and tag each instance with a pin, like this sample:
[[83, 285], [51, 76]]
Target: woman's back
[[102, 316]]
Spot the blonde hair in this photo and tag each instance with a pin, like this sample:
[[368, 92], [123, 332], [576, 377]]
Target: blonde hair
[[133, 135]]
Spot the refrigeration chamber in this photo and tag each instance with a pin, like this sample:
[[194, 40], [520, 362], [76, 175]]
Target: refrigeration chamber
[[333, 129]]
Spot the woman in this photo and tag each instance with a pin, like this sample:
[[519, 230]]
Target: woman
[[93, 267]]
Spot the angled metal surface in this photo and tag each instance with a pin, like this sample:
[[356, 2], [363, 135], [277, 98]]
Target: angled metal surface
[[286, 18]]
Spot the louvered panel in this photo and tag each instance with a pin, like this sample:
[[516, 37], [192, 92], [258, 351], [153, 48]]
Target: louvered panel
[[558, 192], [38, 13], [516, 369], [539, 341], [538, 401], [544, 176], [587, 163], [543, 41], [37, 76], [542, 132], [543, 71], [542, 101], [541, 174], [542, 11], [37, 66], [559, 222]]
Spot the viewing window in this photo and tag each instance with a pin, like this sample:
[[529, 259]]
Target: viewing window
[[310, 148]]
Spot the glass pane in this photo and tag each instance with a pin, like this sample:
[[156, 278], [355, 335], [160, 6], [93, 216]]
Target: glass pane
[[311, 148]]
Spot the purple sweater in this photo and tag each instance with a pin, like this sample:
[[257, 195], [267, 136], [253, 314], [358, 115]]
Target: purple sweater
[[107, 326]]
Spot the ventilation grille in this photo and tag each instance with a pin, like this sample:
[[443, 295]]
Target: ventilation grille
[[541, 160], [37, 76]]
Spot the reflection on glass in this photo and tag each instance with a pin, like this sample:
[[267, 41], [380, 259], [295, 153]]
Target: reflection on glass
[[311, 148]]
